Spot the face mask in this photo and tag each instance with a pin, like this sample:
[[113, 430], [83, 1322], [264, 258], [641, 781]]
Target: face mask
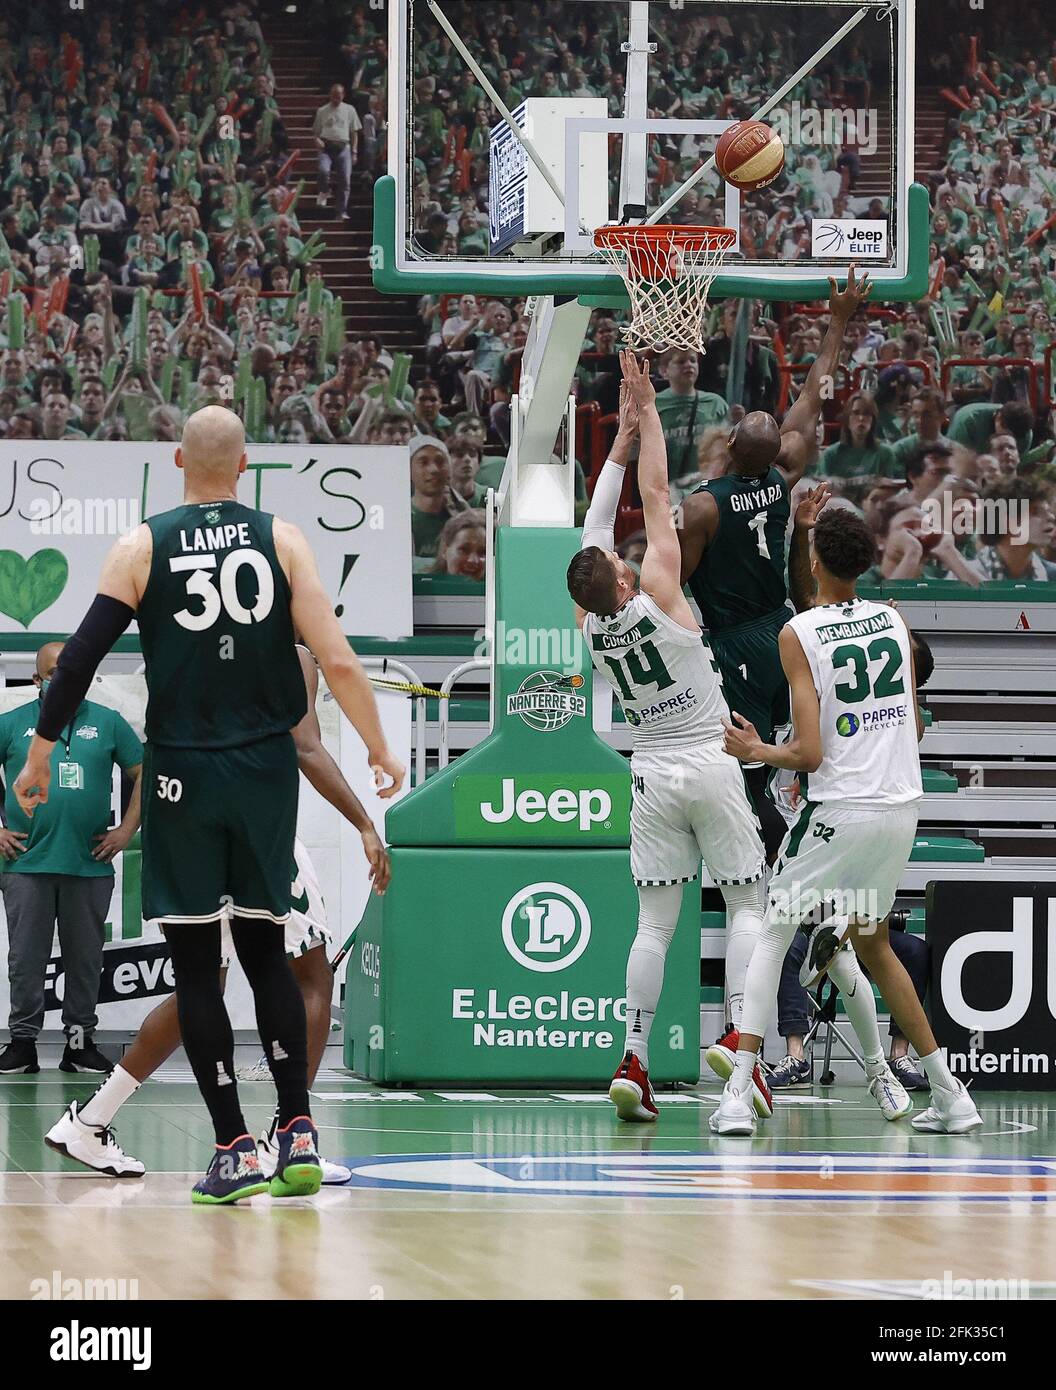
[[44, 686]]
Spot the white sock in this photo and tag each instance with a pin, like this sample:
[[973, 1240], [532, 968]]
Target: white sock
[[741, 1080], [858, 1001], [745, 904], [118, 1087], [658, 913], [764, 973], [938, 1072]]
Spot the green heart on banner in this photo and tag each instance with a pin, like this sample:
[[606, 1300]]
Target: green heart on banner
[[27, 587]]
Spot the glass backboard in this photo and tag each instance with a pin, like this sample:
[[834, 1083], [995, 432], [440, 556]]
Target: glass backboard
[[622, 102]]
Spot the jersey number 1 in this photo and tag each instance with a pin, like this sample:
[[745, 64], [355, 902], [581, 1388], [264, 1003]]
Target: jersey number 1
[[758, 525]]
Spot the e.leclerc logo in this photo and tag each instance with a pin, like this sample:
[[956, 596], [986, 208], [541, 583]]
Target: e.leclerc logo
[[847, 725], [546, 927], [547, 700]]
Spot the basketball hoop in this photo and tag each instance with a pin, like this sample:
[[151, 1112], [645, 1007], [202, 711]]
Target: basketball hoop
[[668, 272]]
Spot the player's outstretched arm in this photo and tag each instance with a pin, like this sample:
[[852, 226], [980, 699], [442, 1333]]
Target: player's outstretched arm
[[599, 524], [661, 567], [313, 615], [802, 589], [800, 425], [121, 585], [802, 752], [326, 777]]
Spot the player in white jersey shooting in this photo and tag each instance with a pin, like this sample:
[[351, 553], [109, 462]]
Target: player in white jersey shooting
[[857, 727], [689, 800]]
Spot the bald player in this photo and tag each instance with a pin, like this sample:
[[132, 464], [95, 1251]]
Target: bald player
[[218, 589], [732, 539]]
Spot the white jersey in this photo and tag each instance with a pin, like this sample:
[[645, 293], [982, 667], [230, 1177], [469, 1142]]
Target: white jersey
[[860, 658], [664, 675]]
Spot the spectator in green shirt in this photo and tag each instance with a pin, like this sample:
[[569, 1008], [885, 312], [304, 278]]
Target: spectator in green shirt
[[975, 425], [56, 868], [430, 492], [685, 413], [928, 417], [859, 453]]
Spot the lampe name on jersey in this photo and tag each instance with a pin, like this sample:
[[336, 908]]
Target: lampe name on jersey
[[663, 674], [861, 660]]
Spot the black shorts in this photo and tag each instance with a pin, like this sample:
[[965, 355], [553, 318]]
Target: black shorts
[[218, 830]]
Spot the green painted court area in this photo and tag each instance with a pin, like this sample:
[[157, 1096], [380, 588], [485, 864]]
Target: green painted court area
[[528, 1194]]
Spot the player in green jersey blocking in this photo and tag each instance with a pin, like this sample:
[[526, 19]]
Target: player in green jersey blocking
[[732, 537], [218, 589]]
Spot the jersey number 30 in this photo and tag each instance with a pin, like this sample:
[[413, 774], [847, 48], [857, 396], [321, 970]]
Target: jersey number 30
[[201, 585]]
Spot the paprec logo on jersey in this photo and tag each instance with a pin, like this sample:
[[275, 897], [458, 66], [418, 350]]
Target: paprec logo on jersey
[[847, 725], [547, 700], [546, 927]]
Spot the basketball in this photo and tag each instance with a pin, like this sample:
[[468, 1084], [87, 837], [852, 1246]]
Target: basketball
[[750, 155]]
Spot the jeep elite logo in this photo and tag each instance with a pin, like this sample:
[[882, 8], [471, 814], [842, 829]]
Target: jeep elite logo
[[546, 927], [547, 700]]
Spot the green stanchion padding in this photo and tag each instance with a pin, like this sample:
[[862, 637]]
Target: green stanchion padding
[[936, 781], [507, 967], [542, 776], [946, 849]]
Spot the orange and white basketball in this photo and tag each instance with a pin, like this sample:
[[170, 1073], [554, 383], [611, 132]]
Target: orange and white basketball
[[750, 155]]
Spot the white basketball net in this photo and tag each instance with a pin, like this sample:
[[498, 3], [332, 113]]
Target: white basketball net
[[668, 272]]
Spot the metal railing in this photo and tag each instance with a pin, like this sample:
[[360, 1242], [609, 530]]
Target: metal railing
[[478, 663]]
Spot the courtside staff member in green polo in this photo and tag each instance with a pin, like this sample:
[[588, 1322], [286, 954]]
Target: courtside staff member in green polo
[[57, 868]]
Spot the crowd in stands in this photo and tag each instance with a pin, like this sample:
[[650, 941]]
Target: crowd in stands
[[153, 260]]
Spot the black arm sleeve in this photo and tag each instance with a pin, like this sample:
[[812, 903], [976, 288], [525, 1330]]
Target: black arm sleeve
[[100, 628]]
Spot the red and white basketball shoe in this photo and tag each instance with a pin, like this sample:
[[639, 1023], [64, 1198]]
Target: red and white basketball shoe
[[631, 1093], [721, 1057]]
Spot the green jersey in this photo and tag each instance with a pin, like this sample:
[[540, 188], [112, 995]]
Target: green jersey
[[741, 575], [62, 834], [216, 630]]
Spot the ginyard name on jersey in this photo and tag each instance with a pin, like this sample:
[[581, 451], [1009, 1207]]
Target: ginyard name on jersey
[[862, 627], [216, 537], [753, 501]]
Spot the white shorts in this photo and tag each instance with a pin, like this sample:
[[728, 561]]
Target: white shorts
[[846, 857], [306, 925], [690, 804]]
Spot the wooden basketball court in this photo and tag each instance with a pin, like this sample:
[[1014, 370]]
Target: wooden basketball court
[[513, 1195]]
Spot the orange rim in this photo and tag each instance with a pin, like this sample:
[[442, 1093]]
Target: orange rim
[[618, 236]]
